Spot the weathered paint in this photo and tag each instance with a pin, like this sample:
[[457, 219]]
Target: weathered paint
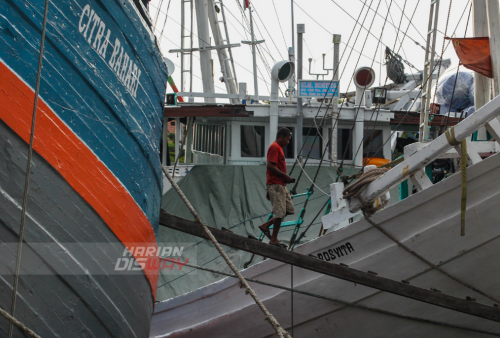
[[81, 168], [84, 91], [97, 172], [428, 222], [101, 304]]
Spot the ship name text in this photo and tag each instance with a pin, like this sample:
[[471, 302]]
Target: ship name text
[[339, 251], [93, 29]]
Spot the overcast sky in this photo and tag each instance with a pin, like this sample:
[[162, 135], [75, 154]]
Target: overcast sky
[[322, 18]]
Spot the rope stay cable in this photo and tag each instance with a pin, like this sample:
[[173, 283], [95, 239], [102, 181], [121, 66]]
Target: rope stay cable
[[385, 82], [24, 328], [442, 51], [254, 217], [261, 78], [330, 139], [279, 22], [420, 91], [405, 59], [328, 105], [357, 112], [243, 283], [157, 14], [28, 170], [235, 225], [398, 30], [364, 89], [379, 107], [268, 50], [354, 191], [166, 17], [326, 30], [343, 302], [411, 20]]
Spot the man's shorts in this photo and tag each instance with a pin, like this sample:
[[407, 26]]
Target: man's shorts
[[280, 200]]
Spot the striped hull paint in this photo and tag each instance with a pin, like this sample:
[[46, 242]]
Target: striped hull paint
[[96, 174]]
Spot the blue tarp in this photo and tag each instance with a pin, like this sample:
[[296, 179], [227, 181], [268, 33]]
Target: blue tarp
[[463, 98]]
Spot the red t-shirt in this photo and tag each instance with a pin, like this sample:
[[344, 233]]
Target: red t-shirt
[[276, 155]]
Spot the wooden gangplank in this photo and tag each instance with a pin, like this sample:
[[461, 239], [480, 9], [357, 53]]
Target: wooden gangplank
[[330, 269]]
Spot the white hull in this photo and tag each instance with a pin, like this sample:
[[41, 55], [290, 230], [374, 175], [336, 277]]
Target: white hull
[[427, 222]]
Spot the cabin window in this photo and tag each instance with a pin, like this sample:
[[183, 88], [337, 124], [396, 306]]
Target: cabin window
[[344, 144], [312, 143], [372, 143], [252, 141]]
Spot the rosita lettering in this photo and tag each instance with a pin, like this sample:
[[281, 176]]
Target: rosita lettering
[[334, 253], [92, 27]]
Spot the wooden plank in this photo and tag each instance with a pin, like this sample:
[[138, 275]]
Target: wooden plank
[[427, 154], [421, 180], [330, 269], [410, 118], [206, 111], [493, 128]]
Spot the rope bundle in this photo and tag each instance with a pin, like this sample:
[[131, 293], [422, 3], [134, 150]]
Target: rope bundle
[[354, 190]]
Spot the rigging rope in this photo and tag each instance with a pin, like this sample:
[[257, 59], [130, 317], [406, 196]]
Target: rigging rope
[[419, 93], [347, 44], [364, 89], [157, 14], [343, 302], [24, 328], [442, 51], [269, 317], [385, 83], [166, 17], [185, 129], [376, 13], [354, 191], [328, 105], [28, 170]]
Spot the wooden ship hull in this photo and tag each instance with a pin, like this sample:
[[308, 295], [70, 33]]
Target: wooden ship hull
[[427, 222], [95, 184]]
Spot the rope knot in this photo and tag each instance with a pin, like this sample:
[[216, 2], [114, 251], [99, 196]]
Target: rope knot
[[354, 190]]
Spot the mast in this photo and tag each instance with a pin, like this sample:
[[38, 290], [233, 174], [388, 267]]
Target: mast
[[253, 43], [430, 51], [480, 29], [256, 86], [204, 42], [228, 77], [494, 31]]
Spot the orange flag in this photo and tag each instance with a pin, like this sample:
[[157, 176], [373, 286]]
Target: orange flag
[[474, 54]]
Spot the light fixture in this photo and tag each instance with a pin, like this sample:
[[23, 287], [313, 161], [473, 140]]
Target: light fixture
[[379, 95]]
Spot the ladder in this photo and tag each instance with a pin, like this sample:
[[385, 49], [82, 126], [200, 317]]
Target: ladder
[[186, 53], [224, 51], [296, 224], [226, 40], [430, 52]]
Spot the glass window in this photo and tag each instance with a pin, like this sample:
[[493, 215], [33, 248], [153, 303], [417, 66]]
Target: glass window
[[289, 149], [252, 141], [372, 143], [344, 144], [311, 141]]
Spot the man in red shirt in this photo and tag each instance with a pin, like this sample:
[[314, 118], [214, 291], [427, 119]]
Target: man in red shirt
[[277, 192]]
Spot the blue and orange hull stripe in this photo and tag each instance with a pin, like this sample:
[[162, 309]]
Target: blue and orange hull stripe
[[79, 166]]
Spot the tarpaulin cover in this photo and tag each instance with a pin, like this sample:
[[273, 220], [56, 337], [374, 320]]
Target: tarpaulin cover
[[226, 196], [474, 53], [463, 84]]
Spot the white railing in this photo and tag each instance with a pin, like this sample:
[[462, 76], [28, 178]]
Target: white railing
[[200, 157], [229, 96], [415, 163]]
